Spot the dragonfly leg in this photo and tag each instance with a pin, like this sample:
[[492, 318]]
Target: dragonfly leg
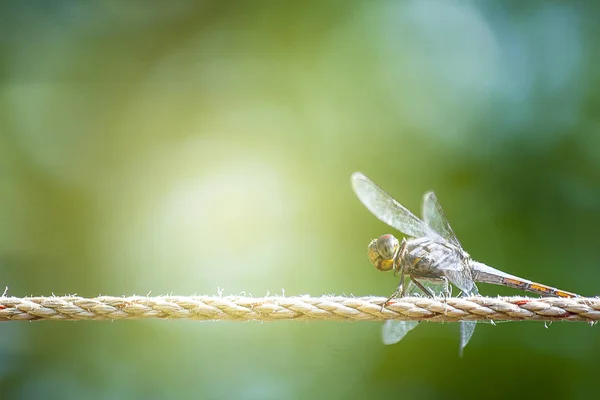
[[423, 288], [399, 292], [398, 268], [447, 292], [399, 256]]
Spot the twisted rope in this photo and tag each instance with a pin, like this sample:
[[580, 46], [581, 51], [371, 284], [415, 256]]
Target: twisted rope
[[275, 308]]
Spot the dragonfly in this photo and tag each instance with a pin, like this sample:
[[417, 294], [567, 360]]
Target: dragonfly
[[431, 260]]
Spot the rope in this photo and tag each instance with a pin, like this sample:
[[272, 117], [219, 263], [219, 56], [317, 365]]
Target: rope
[[304, 308]]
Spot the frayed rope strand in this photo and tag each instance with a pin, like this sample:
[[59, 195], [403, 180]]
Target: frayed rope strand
[[304, 308]]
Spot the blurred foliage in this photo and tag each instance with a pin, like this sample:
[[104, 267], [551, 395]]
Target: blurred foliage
[[184, 146]]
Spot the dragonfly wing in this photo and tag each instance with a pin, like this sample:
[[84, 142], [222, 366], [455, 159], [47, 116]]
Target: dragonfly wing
[[466, 331], [434, 217], [461, 278], [454, 265], [386, 209], [448, 260], [473, 292], [467, 327], [393, 331], [456, 268]]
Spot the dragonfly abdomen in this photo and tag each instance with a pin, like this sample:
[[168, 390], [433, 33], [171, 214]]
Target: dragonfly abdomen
[[486, 274], [538, 288]]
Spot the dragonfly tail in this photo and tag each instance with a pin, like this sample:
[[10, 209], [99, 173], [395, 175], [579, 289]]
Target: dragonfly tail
[[487, 274]]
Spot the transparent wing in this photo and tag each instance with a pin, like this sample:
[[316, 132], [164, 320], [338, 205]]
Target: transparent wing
[[393, 331], [434, 217], [460, 277], [466, 331], [386, 209], [448, 260], [467, 327], [454, 265]]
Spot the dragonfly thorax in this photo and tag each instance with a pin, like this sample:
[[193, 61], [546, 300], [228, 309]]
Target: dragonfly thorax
[[427, 258], [382, 252]]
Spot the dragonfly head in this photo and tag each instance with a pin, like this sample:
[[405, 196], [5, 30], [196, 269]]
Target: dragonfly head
[[382, 251]]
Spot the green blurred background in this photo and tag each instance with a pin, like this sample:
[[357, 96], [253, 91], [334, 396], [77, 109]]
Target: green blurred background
[[185, 146]]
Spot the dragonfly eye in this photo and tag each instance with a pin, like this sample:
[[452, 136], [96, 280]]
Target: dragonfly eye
[[387, 246], [381, 252]]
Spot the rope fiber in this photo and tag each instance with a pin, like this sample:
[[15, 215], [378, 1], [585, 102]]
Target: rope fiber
[[304, 308]]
